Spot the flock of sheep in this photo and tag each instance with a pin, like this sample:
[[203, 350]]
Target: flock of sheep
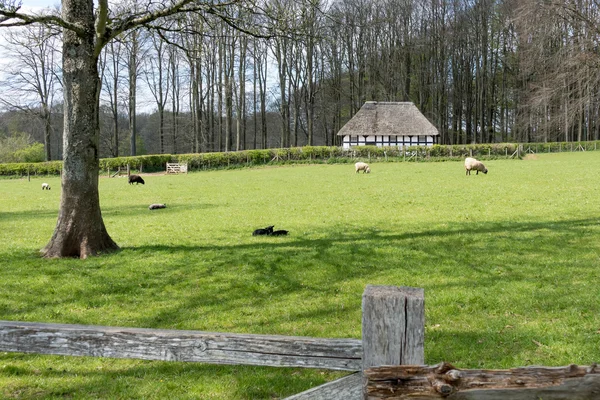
[[471, 164]]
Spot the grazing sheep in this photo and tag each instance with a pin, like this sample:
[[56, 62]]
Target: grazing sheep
[[266, 231], [361, 166], [473, 164], [280, 232], [45, 186], [135, 178], [156, 206]]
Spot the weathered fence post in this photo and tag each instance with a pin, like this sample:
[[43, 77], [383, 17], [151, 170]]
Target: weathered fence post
[[393, 327]]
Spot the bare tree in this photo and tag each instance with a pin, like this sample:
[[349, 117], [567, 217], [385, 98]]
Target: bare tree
[[134, 51], [33, 80], [110, 66], [159, 84], [240, 105], [261, 65], [80, 230], [174, 74]]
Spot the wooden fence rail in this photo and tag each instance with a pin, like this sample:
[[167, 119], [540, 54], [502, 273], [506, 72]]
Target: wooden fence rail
[[387, 362], [172, 345]]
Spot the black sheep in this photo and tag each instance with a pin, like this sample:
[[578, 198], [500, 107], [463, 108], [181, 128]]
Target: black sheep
[[266, 231], [135, 178], [281, 232]]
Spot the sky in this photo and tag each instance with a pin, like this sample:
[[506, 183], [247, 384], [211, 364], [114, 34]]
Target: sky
[[38, 4]]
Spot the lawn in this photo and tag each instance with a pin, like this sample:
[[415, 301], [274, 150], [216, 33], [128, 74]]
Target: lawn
[[508, 260]]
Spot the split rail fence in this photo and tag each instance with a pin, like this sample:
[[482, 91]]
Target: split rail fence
[[388, 363]]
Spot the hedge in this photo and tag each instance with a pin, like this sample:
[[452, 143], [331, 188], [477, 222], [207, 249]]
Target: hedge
[[307, 154], [24, 169]]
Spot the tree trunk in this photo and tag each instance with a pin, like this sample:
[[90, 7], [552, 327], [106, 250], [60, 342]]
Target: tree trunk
[[47, 132], [133, 73], [80, 230]]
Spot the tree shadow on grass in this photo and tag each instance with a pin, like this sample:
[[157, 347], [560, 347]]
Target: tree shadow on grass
[[85, 378], [174, 286], [254, 273]]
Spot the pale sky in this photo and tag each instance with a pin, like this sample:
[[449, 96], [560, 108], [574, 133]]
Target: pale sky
[[33, 4], [40, 3]]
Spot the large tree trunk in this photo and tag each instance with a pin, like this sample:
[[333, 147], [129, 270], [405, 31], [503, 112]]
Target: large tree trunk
[[80, 230]]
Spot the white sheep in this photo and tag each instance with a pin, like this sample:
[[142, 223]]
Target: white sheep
[[45, 186], [473, 164], [361, 166]]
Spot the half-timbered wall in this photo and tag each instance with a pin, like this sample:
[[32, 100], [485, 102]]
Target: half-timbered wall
[[380, 141]]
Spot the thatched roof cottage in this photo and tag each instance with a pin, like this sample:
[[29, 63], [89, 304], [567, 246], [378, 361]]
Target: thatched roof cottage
[[388, 124]]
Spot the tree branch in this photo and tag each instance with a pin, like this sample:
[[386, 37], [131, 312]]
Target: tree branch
[[100, 26], [10, 17]]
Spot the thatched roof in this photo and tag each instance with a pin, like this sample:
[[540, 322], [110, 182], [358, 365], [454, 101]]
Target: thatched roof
[[388, 119]]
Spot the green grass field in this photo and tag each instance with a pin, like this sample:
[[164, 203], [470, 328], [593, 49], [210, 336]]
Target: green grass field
[[509, 262]]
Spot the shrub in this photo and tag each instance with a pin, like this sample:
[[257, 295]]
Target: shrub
[[30, 154]]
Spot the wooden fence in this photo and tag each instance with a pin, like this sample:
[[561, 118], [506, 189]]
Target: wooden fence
[[176, 168], [388, 363]]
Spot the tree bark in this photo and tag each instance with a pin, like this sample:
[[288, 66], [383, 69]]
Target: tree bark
[[80, 230]]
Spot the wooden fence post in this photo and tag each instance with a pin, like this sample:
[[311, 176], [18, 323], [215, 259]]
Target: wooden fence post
[[393, 326]]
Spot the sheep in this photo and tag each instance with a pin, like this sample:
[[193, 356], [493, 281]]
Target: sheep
[[361, 166], [266, 231], [45, 186], [473, 164], [156, 206], [281, 232], [135, 178]]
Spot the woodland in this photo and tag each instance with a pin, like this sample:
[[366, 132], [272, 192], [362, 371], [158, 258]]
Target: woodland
[[292, 74]]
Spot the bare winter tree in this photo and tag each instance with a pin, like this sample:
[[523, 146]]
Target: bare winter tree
[[111, 66], [156, 76], [133, 48], [80, 230], [32, 75], [560, 77]]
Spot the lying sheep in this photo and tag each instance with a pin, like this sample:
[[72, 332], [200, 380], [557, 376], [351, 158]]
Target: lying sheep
[[45, 186], [361, 166], [281, 232], [135, 178], [266, 231], [473, 164], [156, 206]]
